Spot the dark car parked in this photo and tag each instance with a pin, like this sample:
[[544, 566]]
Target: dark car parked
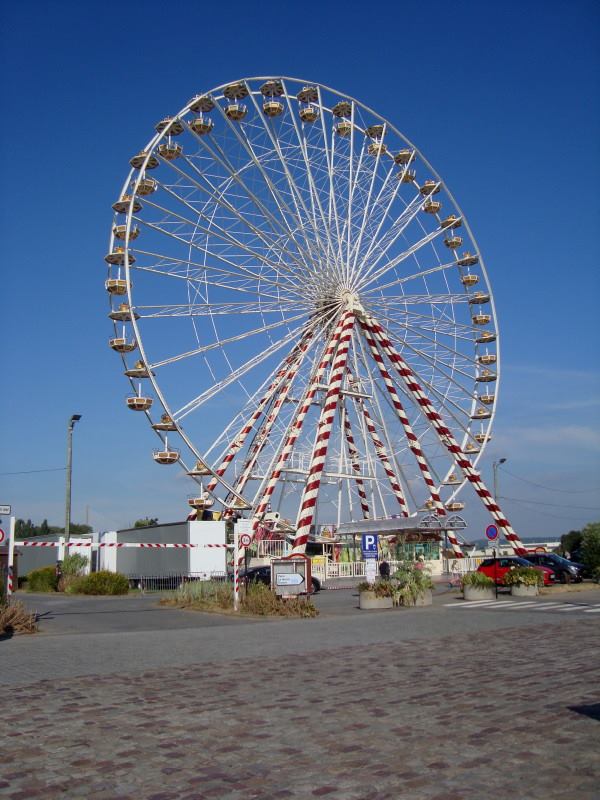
[[263, 575], [565, 570]]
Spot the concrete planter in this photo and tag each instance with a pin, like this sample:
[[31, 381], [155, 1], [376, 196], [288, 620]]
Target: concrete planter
[[520, 590], [367, 600], [477, 593], [426, 599]]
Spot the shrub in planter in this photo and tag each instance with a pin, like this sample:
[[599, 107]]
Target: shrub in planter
[[477, 586], [524, 581], [413, 585], [102, 582], [376, 595], [524, 576], [42, 580]]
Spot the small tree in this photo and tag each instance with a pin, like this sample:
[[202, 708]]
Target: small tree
[[146, 522], [570, 541], [590, 545]]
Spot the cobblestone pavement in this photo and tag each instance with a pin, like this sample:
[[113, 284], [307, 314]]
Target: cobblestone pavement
[[507, 713]]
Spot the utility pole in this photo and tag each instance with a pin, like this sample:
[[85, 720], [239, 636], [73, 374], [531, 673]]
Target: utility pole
[[74, 418], [495, 466]]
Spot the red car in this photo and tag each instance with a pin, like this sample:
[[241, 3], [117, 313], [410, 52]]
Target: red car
[[506, 563]]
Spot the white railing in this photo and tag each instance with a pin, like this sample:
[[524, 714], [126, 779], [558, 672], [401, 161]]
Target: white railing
[[461, 566], [271, 548]]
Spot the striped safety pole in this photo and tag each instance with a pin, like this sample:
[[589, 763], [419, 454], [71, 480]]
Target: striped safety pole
[[236, 571], [10, 577], [446, 437], [319, 453]]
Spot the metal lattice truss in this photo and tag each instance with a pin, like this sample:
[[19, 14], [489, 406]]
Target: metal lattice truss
[[299, 295]]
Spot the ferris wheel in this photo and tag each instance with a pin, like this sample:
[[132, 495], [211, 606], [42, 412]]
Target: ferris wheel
[[302, 311]]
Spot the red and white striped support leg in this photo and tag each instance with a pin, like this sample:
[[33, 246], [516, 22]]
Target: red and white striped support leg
[[263, 433], [413, 441], [383, 457], [296, 427], [319, 454], [292, 360], [355, 464], [445, 436]]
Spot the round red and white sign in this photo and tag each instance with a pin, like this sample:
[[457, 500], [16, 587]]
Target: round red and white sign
[[245, 539], [2, 535]]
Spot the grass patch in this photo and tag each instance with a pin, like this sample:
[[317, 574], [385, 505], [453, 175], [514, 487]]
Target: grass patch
[[257, 600], [15, 618]]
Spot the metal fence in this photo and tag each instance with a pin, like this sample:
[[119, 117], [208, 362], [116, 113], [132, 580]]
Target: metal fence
[[172, 582]]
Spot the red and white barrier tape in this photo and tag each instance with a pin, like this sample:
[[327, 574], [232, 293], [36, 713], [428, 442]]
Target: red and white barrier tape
[[158, 545]]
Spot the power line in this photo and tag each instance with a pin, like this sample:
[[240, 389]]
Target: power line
[[548, 488], [31, 471], [551, 505]]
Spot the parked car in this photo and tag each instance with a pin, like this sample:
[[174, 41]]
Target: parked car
[[497, 571], [565, 570], [263, 575]]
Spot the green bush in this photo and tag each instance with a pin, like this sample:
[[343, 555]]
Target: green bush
[[476, 579], [74, 564], [523, 576], [590, 546], [102, 582], [42, 580]]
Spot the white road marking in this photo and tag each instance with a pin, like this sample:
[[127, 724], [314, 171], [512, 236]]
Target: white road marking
[[591, 610]]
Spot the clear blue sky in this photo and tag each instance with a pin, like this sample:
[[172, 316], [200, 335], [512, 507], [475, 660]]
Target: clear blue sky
[[503, 100]]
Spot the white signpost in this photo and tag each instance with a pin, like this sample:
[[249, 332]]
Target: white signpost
[[5, 511]]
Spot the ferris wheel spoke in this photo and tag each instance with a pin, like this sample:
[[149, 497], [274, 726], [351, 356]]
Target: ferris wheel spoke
[[315, 197], [332, 210], [455, 356], [406, 278], [234, 376], [374, 239], [284, 210], [354, 251], [445, 327], [213, 230], [216, 195], [397, 227], [221, 342], [218, 309], [217, 198], [253, 290], [237, 274], [295, 193], [369, 277]]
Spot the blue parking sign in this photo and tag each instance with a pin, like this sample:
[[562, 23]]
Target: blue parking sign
[[369, 545]]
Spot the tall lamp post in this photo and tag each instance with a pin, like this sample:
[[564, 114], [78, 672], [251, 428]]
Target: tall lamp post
[[495, 466], [74, 418]]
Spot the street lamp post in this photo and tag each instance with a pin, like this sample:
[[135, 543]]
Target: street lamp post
[[74, 418], [495, 466]]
